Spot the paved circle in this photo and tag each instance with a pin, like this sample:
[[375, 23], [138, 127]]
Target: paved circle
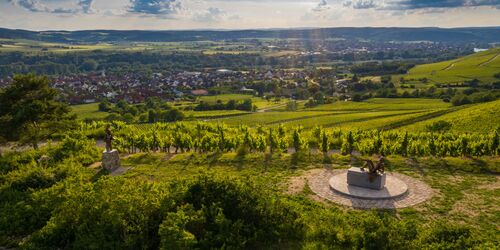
[[393, 188], [417, 192]]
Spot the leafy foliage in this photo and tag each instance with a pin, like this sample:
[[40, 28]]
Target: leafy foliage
[[30, 112]]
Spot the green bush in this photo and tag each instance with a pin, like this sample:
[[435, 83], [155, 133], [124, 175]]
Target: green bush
[[206, 213]]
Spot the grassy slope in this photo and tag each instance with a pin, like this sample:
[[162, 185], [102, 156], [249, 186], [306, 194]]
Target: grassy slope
[[484, 117], [464, 190], [482, 65]]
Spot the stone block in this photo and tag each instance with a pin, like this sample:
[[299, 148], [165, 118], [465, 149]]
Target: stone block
[[110, 160], [361, 178]]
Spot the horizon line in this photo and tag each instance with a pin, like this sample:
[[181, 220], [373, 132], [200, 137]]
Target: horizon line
[[259, 29]]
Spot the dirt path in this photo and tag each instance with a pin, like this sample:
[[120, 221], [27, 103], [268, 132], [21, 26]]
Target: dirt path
[[275, 107], [449, 66], [489, 60], [296, 184], [271, 108]]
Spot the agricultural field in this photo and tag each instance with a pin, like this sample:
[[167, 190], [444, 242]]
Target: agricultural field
[[381, 104], [204, 47], [482, 66], [336, 120], [484, 117], [11, 45], [377, 113], [373, 113], [212, 114], [268, 118], [257, 101]]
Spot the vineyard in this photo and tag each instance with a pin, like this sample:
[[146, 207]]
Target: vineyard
[[477, 118], [208, 137], [409, 114], [230, 179], [482, 66]]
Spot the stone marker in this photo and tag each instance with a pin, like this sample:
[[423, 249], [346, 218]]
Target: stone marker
[[359, 177], [110, 160]]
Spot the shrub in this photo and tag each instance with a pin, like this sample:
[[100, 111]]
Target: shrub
[[439, 126]]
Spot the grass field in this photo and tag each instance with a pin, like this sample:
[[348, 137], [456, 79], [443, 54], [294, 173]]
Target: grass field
[[88, 111], [482, 66]]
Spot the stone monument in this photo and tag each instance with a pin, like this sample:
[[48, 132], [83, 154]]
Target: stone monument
[[374, 178], [369, 182], [110, 156]]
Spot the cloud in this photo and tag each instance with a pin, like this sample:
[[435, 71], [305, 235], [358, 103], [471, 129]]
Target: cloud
[[322, 6], [213, 15], [82, 6], [155, 7], [360, 4], [86, 5], [423, 4], [418, 4]]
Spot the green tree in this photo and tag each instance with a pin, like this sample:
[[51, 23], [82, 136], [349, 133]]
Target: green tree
[[298, 142], [105, 105], [324, 142], [30, 111], [89, 65]]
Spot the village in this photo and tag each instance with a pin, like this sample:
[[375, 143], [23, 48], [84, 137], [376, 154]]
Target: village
[[136, 87]]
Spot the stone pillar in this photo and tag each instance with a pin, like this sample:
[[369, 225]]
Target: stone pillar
[[110, 160]]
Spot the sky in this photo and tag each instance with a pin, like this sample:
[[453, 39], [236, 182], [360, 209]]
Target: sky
[[244, 14]]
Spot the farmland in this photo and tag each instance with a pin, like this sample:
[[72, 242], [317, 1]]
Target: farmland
[[475, 118], [482, 66], [377, 113], [373, 113]]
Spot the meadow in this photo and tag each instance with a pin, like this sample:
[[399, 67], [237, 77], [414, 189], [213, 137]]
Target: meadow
[[88, 111]]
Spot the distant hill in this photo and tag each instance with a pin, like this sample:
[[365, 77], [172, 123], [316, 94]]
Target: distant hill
[[482, 35], [482, 66]]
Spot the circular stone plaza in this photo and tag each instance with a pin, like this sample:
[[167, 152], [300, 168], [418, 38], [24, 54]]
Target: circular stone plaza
[[399, 190]]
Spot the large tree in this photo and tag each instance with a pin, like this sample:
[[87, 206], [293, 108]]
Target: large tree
[[30, 111]]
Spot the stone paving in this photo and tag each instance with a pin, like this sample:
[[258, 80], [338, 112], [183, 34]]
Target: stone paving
[[418, 192], [393, 188]]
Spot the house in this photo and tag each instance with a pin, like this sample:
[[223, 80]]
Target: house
[[199, 92]]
